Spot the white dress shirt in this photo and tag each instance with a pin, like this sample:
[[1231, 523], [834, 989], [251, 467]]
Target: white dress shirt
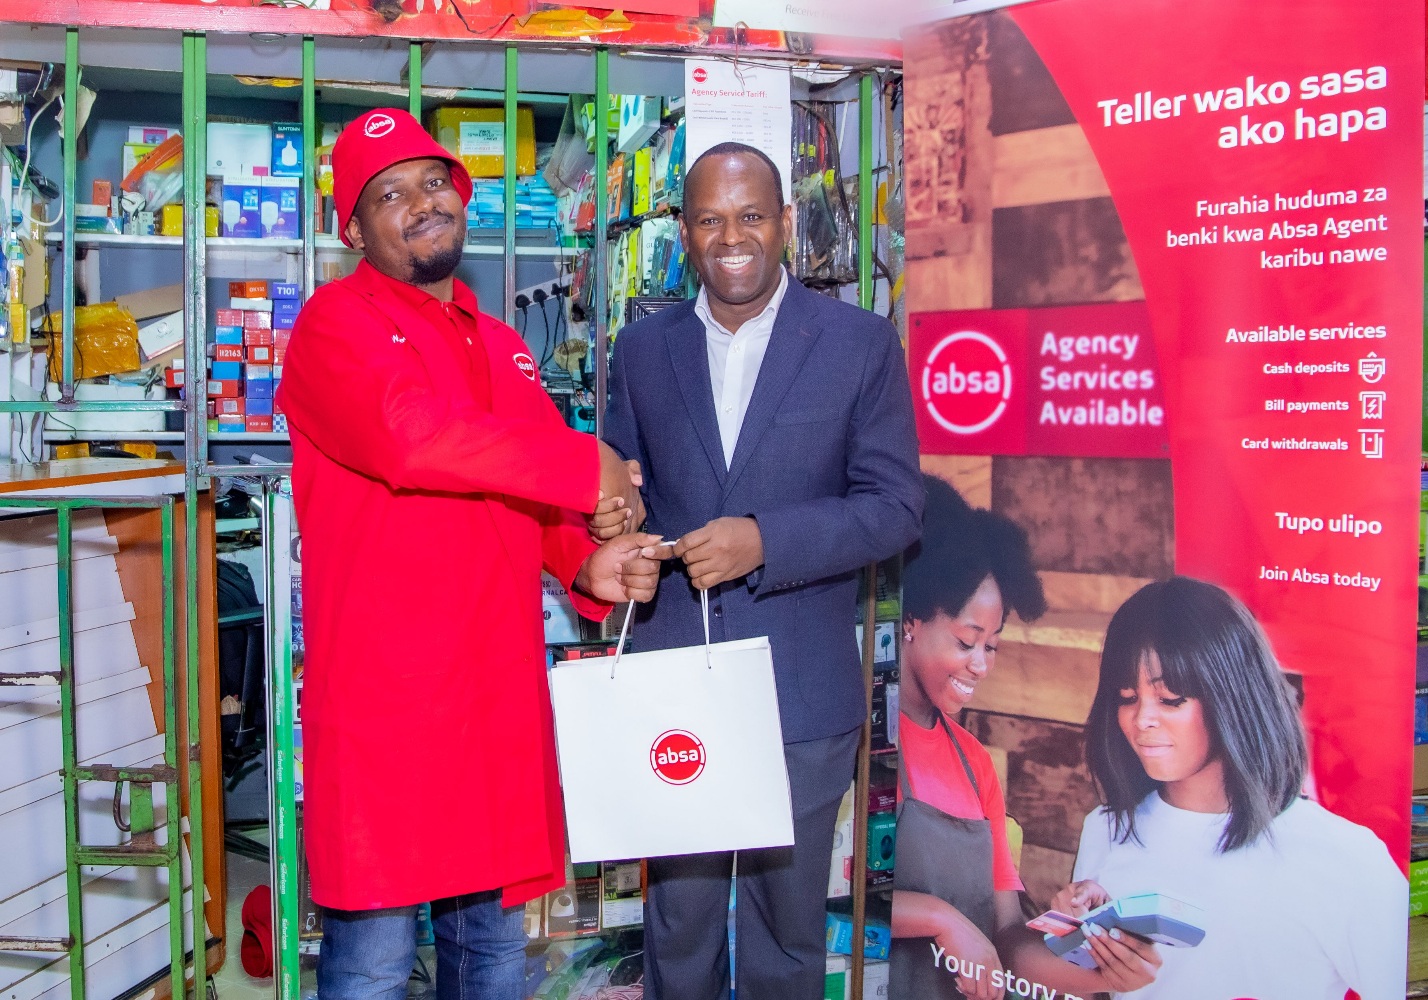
[[734, 362]]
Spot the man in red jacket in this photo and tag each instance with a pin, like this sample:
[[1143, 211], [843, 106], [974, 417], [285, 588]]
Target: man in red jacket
[[433, 480]]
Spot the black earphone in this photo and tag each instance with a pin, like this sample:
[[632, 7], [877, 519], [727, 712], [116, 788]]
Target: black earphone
[[547, 349], [523, 303]]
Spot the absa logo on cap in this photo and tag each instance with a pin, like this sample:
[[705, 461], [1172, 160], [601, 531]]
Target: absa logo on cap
[[378, 126], [677, 757], [966, 382], [700, 74], [526, 364]]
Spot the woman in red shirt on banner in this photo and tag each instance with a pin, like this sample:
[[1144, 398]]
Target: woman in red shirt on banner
[[956, 886]]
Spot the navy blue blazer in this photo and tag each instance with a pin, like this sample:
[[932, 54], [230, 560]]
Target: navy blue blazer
[[826, 462]]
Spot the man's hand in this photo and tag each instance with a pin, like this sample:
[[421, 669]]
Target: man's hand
[[613, 516], [724, 549], [618, 478], [623, 569]]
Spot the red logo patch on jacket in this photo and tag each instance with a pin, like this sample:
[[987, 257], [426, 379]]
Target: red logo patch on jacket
[[526, 364]]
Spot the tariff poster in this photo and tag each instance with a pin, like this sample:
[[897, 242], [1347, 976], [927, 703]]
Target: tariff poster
[[1164, 290]]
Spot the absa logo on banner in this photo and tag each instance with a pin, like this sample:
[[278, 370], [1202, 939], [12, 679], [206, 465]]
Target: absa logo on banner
[[966, 369], [677, 757]]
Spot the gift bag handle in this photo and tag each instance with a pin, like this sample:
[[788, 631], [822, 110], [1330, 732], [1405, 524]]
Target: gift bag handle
[[625, 631]]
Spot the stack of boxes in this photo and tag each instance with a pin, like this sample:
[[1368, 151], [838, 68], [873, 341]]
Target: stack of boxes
[[254, 179], [249, 342]]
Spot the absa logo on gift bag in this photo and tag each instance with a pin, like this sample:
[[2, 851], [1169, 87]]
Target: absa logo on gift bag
[[677, 757]]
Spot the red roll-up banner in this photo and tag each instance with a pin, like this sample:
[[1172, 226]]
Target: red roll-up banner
[[1165, 321]]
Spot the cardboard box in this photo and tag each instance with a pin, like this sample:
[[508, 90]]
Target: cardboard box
[[239, 150], [282, 336], [477, 136], [227, 352], [1420, 768], [639, 121], [875, 980], [575, 909], [286, 158], [226, 408], [259, 355], [562, 622], [171, 221], [225, 371], [259, 424], [533, 923], [152, 302], [885, 709], [258, 388], [280, 423], [882, 841], [256, 407], [242, 208], [283, 290], [161, 335], [622, 902], [250, 306], [231, 425], [257, 338], [643, 203], [279, 353], [173, 378], [228, 335], [224, 389], [278, 208], [229, 317], [132, 153], [835, 977], [102, 193], [877, 936], [840, 871], [248, 289], [150, 135]]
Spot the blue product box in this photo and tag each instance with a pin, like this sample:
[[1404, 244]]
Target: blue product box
[[877, 936], [286, 307], [228, 370], [1420, 719], [287, 150], [259, 406], [228, 335], [261, 388], [242, 207], [281, 220], [278, 290]]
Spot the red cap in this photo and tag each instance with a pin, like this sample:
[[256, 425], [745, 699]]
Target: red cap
[[256, 948], [375, 142]]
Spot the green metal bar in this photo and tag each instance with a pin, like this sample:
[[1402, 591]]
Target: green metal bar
[[601, 249], [277, 536], [865, 191], [93, 406], [141, 811], [195, 160], [64, 566], [71, 170], [509, 238], [870, 575], [196, 433], [173, 806], [309, 166], [157, 857], [414, 80], [42, 501]]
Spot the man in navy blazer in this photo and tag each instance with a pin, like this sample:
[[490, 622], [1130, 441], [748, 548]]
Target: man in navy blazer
[[774, 429]]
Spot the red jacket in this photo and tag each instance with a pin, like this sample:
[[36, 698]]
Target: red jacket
[[428, 505]]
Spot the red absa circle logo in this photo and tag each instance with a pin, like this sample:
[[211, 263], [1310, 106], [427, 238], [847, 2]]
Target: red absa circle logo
[[700, 74], [966, 382], [677, 757], [526, 364]]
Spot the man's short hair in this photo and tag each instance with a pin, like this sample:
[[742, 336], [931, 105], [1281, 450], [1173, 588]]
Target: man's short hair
[[741, 149]]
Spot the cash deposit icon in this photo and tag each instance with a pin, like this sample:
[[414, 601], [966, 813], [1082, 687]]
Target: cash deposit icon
[[1372, 368]]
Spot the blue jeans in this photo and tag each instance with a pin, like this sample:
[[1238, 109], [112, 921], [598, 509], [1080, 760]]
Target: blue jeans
[[480, 951]]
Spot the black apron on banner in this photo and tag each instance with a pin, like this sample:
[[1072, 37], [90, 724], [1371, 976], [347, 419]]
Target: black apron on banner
[[947, 857]]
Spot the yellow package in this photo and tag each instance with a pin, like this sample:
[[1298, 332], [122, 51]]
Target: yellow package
[[171, 221], [106, 341], [210, 221], [478, 137]]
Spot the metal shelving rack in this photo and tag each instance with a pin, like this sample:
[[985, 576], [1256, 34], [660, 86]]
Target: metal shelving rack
[[277, 524]]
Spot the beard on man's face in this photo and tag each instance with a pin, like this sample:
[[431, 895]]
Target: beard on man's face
[[440, 264]]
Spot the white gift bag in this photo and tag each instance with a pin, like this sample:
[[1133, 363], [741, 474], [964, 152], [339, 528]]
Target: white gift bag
[[674, 751]]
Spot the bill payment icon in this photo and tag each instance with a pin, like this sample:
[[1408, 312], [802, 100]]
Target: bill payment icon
[[1372, 403]]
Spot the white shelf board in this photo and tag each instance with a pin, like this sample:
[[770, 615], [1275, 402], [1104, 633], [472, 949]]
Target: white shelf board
[[235, 438]]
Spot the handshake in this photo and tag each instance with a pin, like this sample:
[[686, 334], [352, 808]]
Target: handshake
[[626, 566]]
